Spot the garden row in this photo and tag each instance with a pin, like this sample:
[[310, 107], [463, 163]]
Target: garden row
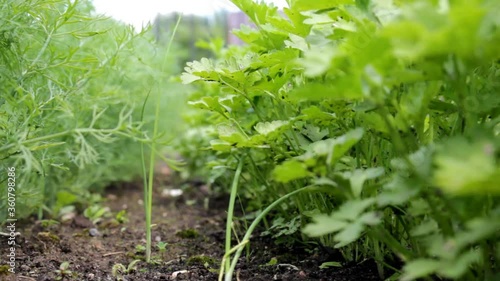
[[373, 126]]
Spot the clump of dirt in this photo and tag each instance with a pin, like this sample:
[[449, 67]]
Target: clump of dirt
[[195, 246]]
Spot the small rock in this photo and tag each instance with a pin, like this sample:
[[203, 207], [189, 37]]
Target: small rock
[[94, 232], [167, 192], [177, 273], [91, 276], [25, 267], [96, 244], [158, 238], [81, 222], [68, 216]]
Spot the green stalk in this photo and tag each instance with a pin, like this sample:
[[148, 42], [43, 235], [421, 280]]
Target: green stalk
[[230, 210], [143, 161], [379, 257], [444, 222], [381, 234], [488, 255], [148, 197], [149, 192], [246, 238], [460, 86], [228, 254]]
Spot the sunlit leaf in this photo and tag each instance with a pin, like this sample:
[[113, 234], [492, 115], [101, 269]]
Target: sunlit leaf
[[358, 177], [318, 4], [324, 224], [265, 128], [467, 168], [419, 268], [290, 170]]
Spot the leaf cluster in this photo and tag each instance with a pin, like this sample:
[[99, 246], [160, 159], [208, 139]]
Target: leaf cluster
[[389, 109]]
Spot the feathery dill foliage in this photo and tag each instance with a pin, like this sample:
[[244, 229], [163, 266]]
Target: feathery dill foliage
[[389, 111], [71, 89]]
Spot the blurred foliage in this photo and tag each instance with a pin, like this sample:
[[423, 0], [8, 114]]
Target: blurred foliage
[[193, 35]]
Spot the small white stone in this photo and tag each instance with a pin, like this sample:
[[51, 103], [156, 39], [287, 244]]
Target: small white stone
[[167, 192], [94, 232], [175, 274]]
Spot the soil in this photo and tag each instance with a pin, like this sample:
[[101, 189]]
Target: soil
[[195, 237]]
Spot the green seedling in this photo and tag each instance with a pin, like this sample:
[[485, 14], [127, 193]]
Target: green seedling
[[140, 248], [48, 223], [96, 213], [121, 216], [119, 269], [162, 247], [272, 261], [63, 271], [330, 264]]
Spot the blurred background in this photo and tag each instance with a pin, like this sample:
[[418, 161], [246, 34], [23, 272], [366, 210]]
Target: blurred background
[[203, 20]]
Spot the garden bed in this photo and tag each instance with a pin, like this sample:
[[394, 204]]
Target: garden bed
[[195, 237]]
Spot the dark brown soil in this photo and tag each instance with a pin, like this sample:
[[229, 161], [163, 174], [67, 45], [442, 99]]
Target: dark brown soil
[[43, 248]]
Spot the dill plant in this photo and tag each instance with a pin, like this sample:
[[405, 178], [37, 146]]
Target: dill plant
[[149, 175], [72, 84]]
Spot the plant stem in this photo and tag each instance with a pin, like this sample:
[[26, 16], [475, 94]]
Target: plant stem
[[246, 238], [381, 234], [379, 256], [148, 202], [230, 210]]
